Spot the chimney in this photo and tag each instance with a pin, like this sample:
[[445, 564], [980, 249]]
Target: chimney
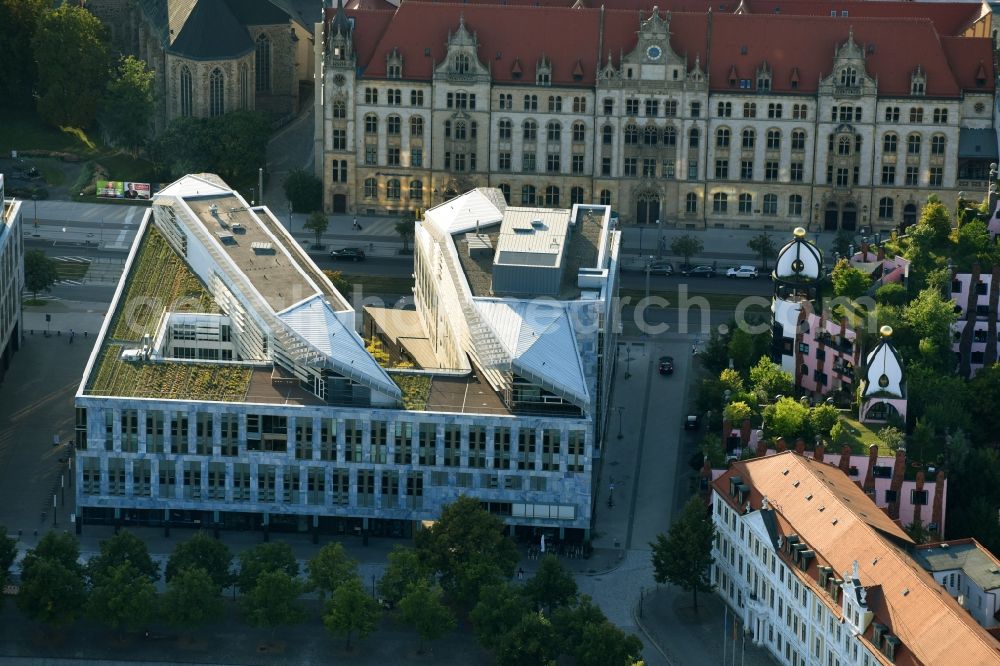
[[780, 445], [800, 446], [937, 514], [745, 433], [820, 452], [869, 486], [845, 459], [761, 448]]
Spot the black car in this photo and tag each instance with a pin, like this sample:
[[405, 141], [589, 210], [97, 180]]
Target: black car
[[348, 254], [699, 271], [691, 422], [666, 365]]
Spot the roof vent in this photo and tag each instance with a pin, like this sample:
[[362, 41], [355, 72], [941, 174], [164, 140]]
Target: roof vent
[[906, 591], [833, 522], [537, 223], [262, 247], [795, 484], [809, 497]]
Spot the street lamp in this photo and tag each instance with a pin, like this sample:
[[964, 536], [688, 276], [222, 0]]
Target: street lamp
[[621, 410], [628, 360], [34, 200], [649, 266], [659, 241]]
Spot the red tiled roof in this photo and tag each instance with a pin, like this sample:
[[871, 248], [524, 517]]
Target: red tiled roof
[[833, 517], [949, 18], [370, 4], [797, 48]]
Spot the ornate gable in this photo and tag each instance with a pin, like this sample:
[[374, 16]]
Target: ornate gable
[[653, 59], [849, 77], [462, 64]]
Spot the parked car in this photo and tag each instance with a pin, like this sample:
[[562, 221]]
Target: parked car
[[742, 272], [348, 254], [699, 271], [692, 422], [661, 267], [666, 365]]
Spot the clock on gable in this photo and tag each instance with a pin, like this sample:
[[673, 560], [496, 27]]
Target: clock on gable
[[654, 52]]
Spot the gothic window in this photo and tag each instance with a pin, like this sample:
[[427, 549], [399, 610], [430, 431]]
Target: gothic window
[[579, 105], [460, 130], [579, 132], [918, 82], [416, 190], [749, 110], [669, 136], [186, 91], [530, 130], [631, 135], [553, 131], [889, 142], [937, 144], [722, 138], [694, 137], [461, 64], [749, 139], [650, 136], [848, 76], [392, 189], [844, 146], [506, 101], [416, 126], [770, 204], [607, 135], [745, 204], [262, 62], [244, 86], [885, 208], [720, 202], [216, 93], [913, 144], [605, 198], [798, 140], [416, 98], [447, 129], [773, 139], [555, 104], [392, 124], [339, 109], [800, 111], [504, 128], [371, 124]]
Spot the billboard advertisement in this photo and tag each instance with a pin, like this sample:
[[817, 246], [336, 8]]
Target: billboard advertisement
[[122, 189]]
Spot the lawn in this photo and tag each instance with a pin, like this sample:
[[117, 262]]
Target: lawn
[[863, 437], [72, 270]]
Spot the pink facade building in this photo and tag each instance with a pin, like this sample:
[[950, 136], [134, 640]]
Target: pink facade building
[[826, 355], [975, 333]]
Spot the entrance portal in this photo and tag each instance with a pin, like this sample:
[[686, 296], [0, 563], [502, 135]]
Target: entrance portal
[[339, 203], [830, 217], [849, 217], [647, 209]]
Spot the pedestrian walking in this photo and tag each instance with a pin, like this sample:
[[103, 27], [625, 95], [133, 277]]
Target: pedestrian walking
[[71, 334], [520, 574], [354, 224]]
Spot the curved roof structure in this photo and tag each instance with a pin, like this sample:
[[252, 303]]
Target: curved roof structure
[[799, 260], [884, 369]]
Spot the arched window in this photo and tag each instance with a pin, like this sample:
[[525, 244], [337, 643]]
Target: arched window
[[749, 139], [392, 189], [722, 138], [694, 137], [461, 64], [553, 131], [631, 135], [551, 195], [886, 208], [216, 93], [530, 130], [579, 132], [339, 109], [848, 76], [795, 205], [720, 202], [504, 128], [371, 188], [773, 139], [690, 202], [605, 198], [937, 144], [505, 190], [416, 190], [770, 204], [650, 136], [844, 145], [527, 195], [186, 91], [392, 124], [798, 140], [460, 130], [607, 135], [669, 136], [889, 142], [416, 126], [913, 144], [262, 62], [244, 86], [576, 195], [745, 202], [371, 124]]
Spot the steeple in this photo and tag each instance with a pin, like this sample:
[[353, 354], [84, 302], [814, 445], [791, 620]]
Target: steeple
[[340, 23], [339, 39]]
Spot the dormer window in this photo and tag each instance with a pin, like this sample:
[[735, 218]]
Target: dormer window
[[394, 71], [394, 65], [849, 77], [543, 72], [918, 82], [764, 78], [461, 64]]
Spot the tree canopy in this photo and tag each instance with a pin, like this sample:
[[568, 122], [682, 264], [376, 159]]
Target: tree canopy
[[786, 418], [423, 608], [273, 601], [351, 611], [191, 599], [304, 191], [551, 586], [500, 608], [405, 568], [684, 556], [124, 547], [848, 281], [763, 246], [53, 590], [39, 272], [330, 568], [18, 22], [686, 246], [769, 379], [202, 551], [263, 558], [122, 597], [317, 222], [8, 554], [126, 110]]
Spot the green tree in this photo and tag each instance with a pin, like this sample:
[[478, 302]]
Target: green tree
[[404, 570], [892, 437], [274, 600], [684, 556], [930, 317], [126, 111], [532, 642], [202, 551], [763, 247], [423, 608], [983, 412], [944, 400], [604, 644], [263, 558], [329, 568], [73, 63], [122, 548], [18, 21], [741, 349], [712, 447], [842, 243], [769, 380], [405, 229], [8, 554], [191, 599], [239, 145], [786, 418], [570, 622], [122, 597], [304, 191], [468, 548], [736, 412], [500, 608], [317, 223], [53, 590], [892, 293], [974, 246], [822, 418], [686, 246], [848, 281], [551, 586], [935, 220], [39, 272], [715, 354], [351, 611]]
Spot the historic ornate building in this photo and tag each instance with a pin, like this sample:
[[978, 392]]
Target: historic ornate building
[[213, 56], [693, 118]]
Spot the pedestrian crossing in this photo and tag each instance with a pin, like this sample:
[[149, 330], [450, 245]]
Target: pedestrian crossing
[[73, 260]]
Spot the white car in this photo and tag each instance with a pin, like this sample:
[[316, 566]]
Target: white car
[[742, 272]]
